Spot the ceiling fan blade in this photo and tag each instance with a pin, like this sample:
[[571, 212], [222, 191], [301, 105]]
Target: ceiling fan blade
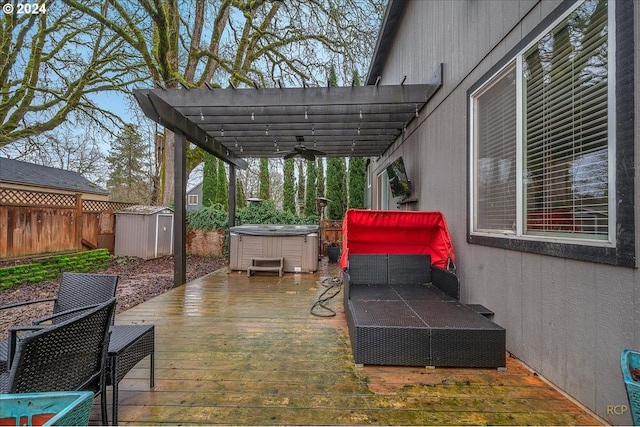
[[290, 155], [316, 152], [309, 156]]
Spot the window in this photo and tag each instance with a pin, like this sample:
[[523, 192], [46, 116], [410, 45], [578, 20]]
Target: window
[[192, 200], [543, 146]]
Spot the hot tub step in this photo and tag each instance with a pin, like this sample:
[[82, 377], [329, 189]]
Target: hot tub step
[[266, 264]]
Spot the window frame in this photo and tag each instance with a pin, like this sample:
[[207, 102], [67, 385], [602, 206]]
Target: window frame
[[619, 249], [193, 196], [382, 193]]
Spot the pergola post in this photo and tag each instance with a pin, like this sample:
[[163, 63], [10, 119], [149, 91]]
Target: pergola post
[[232, 195], [180, 212]]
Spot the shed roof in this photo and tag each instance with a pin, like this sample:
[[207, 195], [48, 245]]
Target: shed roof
[[19, 172], [144, 210]]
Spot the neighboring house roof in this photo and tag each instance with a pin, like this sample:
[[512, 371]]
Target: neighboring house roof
[[19, 172], [195, 189]]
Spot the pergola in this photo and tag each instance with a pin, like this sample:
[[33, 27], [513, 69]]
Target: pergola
[[233, 124]]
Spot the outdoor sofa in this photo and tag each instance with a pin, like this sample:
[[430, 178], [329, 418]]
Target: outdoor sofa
[[403, 311]]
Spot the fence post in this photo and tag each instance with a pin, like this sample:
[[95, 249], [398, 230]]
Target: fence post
[[78, 219]]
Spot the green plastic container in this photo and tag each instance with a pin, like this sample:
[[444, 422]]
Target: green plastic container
[[630, 359], [63, 408]]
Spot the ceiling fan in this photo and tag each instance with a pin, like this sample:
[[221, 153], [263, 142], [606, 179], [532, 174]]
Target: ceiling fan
[[301, 150]]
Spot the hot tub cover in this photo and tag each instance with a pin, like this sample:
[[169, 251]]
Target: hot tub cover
[[274, 229], [396, 232]]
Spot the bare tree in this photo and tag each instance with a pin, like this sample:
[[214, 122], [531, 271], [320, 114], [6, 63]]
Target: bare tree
[[51, 62], [234, 42], [65, 148]]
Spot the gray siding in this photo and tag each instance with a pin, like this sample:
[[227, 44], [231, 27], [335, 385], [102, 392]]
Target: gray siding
[[197, 191], [568, 320], [132, 235]]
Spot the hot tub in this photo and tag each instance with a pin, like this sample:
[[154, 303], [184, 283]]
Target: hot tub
[[297, 244]]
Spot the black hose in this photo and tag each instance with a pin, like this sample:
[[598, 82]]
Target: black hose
[[334, 285]]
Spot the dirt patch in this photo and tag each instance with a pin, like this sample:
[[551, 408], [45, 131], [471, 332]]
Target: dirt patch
[[140, 281]]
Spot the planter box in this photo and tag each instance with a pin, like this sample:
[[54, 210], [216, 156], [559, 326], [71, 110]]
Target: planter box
[[333, 252]]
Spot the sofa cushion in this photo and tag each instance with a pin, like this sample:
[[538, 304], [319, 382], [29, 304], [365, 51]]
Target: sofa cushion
[[409, 269], [368, 269]]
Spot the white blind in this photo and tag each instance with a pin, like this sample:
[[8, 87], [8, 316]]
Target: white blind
[[566, 132], [495, 163]]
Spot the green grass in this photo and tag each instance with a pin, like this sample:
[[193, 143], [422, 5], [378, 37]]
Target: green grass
[[51, 267]]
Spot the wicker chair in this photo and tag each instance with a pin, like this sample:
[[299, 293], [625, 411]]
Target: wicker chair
[[67, 356], [76, 290]]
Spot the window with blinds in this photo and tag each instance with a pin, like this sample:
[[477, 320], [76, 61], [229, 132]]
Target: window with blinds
[[566, 127], [559, 139], [495, 183]]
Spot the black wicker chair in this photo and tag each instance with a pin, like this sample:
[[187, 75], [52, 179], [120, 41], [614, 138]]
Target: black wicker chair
[[76, 290], [67, 356]]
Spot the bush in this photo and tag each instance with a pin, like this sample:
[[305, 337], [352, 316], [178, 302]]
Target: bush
[[213, 217], [216, 217]]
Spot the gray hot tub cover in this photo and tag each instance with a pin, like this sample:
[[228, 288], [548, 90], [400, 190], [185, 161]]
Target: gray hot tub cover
[[274, 229]]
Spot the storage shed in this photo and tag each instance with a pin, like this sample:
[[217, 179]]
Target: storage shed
[[144, 231]]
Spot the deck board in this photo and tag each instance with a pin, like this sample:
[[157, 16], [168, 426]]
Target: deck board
[[238, 350]]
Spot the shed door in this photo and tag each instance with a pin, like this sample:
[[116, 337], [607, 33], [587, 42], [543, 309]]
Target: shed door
[[164, 236]]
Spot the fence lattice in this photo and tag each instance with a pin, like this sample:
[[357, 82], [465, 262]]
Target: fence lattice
[[10, 196], [102, 206], [13, 197]]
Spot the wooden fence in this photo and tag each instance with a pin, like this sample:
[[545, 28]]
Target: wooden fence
[[35, 223], [330, 232]]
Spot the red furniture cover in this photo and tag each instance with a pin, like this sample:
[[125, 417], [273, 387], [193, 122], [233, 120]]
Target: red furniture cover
[[396, 232]]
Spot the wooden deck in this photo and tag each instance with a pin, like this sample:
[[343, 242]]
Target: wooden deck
[[237, 350]]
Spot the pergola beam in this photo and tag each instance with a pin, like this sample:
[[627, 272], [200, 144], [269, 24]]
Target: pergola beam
[[164, 114], [245, 99]]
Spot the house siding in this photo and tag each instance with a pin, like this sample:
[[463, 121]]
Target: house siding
[[566, 319], [197, 191]]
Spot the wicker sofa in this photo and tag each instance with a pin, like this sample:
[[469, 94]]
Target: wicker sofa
[[401, 310]]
